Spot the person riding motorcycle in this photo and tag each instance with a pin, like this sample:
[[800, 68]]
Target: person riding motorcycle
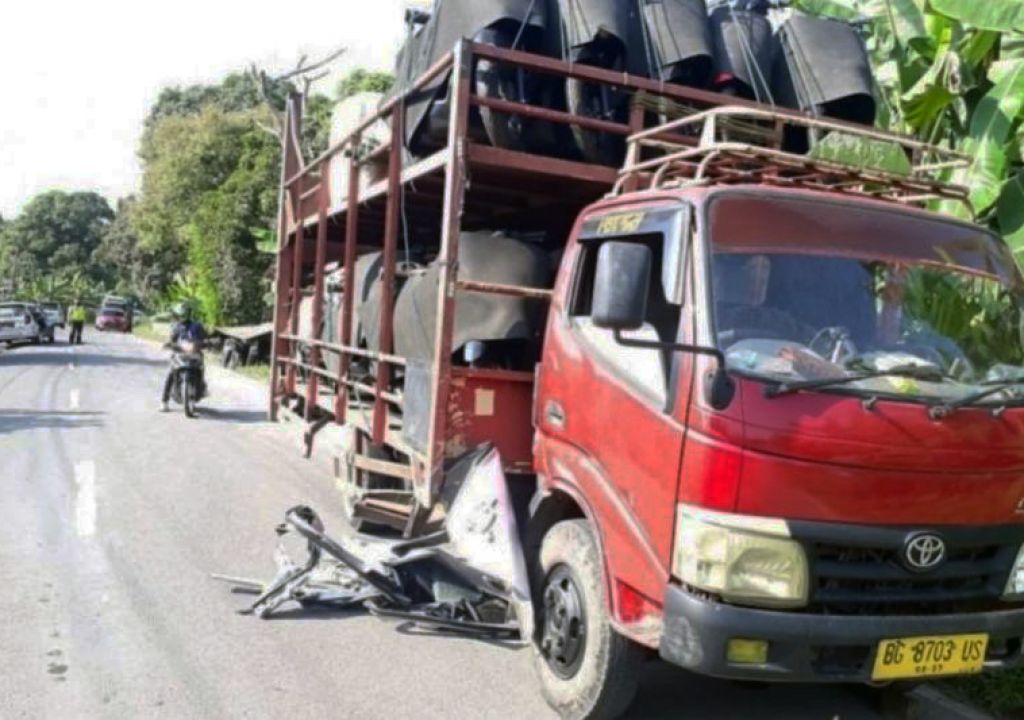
[[187, 328]]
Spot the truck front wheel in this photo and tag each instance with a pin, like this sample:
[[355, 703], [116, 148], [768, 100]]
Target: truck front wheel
[[587, 670]]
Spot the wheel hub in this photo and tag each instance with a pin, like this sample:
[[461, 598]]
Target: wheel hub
[[564, 637]]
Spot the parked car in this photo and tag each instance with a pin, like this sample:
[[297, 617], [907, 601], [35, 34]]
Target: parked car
[[22, 322], [112, 319], [113, 302], [56, 314]]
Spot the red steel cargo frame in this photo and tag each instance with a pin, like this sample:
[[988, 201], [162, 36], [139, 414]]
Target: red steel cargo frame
[[306, 220]]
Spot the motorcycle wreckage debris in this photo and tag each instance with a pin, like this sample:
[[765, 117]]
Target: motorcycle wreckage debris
[[467, 578]]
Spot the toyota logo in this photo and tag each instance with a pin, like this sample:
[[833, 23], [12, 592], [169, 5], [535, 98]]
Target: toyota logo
[[924, 552]]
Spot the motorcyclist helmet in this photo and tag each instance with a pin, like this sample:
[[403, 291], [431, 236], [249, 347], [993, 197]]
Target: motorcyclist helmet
[[183, 311]]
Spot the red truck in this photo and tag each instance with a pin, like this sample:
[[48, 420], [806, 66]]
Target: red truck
[[749, 443]]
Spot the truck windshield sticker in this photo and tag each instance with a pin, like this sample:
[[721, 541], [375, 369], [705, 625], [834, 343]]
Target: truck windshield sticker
[[621, 224], [635, 222]]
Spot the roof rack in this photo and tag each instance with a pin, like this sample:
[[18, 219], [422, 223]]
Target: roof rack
[[743, 145]]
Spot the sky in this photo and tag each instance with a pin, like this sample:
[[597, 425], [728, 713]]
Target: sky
[[79, 77]]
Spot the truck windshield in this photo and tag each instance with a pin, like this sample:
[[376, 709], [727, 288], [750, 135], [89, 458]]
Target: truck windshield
[[808, 290]]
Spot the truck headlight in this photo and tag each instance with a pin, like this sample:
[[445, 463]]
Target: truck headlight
[[1015, 585], [745, 560]]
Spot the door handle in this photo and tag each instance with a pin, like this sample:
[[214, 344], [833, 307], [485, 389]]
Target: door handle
[[554, 414]]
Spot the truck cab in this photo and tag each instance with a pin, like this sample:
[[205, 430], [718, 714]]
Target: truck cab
[[793, 470], [775, 430]]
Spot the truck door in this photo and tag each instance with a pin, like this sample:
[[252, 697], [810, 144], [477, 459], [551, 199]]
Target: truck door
[[615, 404]]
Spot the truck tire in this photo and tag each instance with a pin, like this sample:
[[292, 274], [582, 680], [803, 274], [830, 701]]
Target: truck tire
[[595, 101], [587, 670], [494, 80]]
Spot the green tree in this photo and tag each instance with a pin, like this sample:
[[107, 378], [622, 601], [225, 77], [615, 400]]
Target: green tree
[[238, 92], [124, 265], [363, 80], [54, 237], [952, 72], [211, 164]]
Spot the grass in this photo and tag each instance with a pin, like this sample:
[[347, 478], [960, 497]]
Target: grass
[[1000, 693], [149, 331], [255, 372], [159, 333]]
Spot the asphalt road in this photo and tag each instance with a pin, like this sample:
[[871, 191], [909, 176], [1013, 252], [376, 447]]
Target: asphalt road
[[113, 516]]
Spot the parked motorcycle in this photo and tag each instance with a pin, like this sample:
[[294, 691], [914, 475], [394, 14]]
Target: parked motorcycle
[[189, 370]]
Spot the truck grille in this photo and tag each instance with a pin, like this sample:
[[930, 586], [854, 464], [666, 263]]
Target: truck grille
[[867, 577]]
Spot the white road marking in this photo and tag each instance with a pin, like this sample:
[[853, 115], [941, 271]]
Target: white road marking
[[85, 498], [76, 399]]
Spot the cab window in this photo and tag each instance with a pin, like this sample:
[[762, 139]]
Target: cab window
[[647, 370]]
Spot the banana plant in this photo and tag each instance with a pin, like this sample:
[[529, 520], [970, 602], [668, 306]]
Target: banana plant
[[952, 73]]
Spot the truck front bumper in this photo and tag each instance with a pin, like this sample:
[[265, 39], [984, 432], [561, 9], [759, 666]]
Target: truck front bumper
[[807, 647]]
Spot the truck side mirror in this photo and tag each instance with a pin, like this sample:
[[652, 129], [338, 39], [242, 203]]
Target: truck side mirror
[[621, 286], [417, 16]]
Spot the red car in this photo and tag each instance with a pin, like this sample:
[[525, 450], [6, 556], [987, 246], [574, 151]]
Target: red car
[[112, 319]]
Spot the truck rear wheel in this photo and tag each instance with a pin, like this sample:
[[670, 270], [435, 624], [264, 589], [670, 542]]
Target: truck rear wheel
[[587, 671]]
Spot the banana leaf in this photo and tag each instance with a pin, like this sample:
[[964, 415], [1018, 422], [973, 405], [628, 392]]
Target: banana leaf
[[995, 15], [991, 130], [1011, 46], [977, 45], [907, 18], [1010, 213], [862, 153], [838, 9], [934, 91]]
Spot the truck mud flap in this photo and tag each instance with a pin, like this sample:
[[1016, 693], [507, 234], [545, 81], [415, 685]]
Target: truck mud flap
[[469, 578]]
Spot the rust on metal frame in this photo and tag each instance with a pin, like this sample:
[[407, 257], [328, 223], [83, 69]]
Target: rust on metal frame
[[451, 227], [315, 355], [392, 227], [549, 115], [349, 263], [508, 290], [455, 160]]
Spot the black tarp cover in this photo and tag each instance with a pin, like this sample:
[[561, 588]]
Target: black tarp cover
[[822, 62], [451, 21], [743, 47], [679, 34], [484, 257], [584, 20]]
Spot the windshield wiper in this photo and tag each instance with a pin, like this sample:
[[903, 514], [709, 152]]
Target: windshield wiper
[[993, 387], [913, 372]]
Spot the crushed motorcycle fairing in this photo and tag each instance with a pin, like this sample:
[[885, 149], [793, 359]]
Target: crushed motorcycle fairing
[[469, 578]]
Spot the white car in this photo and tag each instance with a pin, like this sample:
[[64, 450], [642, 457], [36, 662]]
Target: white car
[[55, 314], [18, 324]]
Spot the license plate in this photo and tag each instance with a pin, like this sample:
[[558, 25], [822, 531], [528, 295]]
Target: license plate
[[906, 658]]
